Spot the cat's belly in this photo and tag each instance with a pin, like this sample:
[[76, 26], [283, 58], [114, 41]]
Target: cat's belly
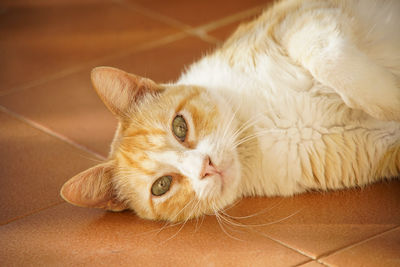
[[316, 142]]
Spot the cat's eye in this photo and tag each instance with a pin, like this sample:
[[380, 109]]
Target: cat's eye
[[179, 127], [161, 185]]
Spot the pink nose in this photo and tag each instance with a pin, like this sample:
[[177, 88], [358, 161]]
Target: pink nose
[[208, 168]]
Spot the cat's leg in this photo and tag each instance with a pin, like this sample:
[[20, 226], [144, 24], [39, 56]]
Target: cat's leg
[[336, 62]]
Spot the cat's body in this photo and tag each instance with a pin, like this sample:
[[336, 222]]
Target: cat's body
[[305, 97], [316, 140]]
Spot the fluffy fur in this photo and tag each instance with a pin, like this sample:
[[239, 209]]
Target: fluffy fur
[[305, 97]]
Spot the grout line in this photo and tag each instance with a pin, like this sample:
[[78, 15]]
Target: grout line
[[169, 21], [302, 263], [40, 81], [322, 263], [321, 257], [310, 258], [68, 71], [306, 262], [51, 132], [30, 213], [154, 15], [204, 29], [232, 18], [198, 31], [285, 245]]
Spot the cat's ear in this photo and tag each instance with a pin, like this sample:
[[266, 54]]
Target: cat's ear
[[120, 90], [93, 188]]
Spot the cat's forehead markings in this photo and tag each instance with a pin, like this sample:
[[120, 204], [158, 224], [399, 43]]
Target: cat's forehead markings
[[145, 139], [144, 166], [144, 131], [186, 99]]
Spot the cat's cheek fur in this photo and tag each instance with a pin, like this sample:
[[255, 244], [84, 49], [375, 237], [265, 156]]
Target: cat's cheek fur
[[216, 187]]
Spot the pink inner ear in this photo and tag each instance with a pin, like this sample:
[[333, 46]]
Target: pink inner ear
[[93, 188], [120, 90]]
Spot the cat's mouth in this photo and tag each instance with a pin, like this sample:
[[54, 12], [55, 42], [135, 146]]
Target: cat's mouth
[[223, 174]]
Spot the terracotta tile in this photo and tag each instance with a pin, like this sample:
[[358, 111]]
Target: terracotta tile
[[166, 63], [33, 168], [319, 223], [41, 40], [71, 107], [222, 33], [67, 235], [383, 250], [39, 3], [68, 106], [195, 13]]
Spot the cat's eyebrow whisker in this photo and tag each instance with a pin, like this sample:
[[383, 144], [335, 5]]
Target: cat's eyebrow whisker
[[222, 131], [233, 115]]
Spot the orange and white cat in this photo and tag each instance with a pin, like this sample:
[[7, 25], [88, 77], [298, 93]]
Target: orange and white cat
[[305, 97]]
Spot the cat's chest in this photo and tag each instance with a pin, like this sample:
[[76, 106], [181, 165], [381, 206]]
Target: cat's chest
[[286, 102]]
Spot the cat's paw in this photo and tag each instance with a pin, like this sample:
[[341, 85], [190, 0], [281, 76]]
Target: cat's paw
[[376, 92], [384, 104]]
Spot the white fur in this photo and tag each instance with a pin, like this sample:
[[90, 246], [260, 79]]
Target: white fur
[[326, 112]]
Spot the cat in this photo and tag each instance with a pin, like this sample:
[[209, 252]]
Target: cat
[[304, 97]]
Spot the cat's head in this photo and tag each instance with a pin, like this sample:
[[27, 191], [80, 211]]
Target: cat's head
[[173, 155]]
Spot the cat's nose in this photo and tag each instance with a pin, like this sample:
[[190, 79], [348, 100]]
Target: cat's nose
[[208, 168]]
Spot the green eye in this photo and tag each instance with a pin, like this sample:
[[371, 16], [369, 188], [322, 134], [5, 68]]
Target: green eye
[[161, 186], [179, 127]]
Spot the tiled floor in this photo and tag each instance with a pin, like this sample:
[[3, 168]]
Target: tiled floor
[[53, 126]]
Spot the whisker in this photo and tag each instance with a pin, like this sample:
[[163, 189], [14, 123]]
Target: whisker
[[255, 135], [273, 222], [97, 160], [231, 206], [220, 223], [157, 230], [176, 215], [183, 224], [253, 215], [247, 124], [174, 235], [201, 223]]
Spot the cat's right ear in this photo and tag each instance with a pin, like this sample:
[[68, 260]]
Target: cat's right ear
[[120, 90], [93, 188]]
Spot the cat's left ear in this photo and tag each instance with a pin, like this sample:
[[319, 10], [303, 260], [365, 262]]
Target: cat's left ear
[[93, 188], [120, 90]]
